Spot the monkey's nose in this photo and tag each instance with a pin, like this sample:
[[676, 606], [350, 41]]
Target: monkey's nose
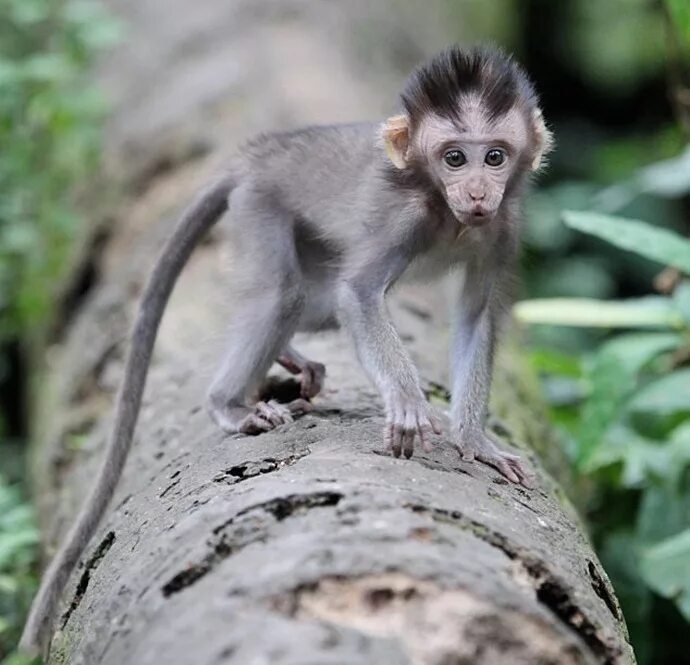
[[476, 196]]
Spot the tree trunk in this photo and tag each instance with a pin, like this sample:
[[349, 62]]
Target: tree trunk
[[306, 544]]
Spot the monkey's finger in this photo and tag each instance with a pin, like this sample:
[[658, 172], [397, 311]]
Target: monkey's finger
[[435, 424], [282, 411], [466, 454], [409, 433], [528, 481], [306, 390], [298, 407], [507, 471], [269, 413], [408, 442], [527, 478], [388, 435], [502, 465], [307, 384], [396, 442], [314, 373], [424, 431], [254, 424]]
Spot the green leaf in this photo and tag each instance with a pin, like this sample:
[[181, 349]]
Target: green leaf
[[51, 67], [648, 312], [612, 374], [639, 458], [666, 568], [662, 405], [680, 15], [20, 659], [664, 511], [544, 228], [643, 460], [657, 244], [10, 73], [29, 11], [574, 276], [13, 545], [681, 299], [669, 178], [550, 361], [635, 350]]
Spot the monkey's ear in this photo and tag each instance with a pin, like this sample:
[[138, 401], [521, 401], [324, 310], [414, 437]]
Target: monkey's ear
[[543, 140], [395, 134]]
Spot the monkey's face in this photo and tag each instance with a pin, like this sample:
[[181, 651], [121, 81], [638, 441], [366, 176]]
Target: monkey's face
[[473, 160], [470, 158]]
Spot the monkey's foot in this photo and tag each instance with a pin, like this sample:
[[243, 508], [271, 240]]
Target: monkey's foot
[[313, 373], [262, 417], [482, 447], [407, 421]]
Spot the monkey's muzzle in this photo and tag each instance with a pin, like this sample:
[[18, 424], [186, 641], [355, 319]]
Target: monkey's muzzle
[[477, 216]]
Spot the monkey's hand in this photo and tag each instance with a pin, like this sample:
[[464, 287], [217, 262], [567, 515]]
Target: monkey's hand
[[408, 418], [480, 445]]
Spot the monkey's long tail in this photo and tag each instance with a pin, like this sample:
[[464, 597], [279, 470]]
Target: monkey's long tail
[[201, 215]]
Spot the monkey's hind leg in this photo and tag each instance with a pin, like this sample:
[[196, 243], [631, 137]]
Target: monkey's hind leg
[[313, 373], [268, 303], [266, 321]]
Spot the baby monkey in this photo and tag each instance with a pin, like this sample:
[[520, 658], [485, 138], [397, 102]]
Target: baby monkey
[[324, 221]]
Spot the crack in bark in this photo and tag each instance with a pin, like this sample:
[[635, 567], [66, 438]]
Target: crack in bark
[[603, 591], [90, 566], [550, 591], [252, 468], [227, 544]]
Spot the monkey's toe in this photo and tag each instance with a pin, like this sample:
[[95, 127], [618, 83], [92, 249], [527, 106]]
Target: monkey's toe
[[273, 412], [264, 417], [313, 375], [482, 448]]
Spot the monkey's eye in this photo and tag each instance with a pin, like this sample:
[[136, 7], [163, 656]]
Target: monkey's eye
[[454, 158], [495, 157]]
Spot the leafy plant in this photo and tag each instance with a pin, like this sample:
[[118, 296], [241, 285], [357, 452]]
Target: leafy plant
[[49, 133], [18, 540], [627, 419]]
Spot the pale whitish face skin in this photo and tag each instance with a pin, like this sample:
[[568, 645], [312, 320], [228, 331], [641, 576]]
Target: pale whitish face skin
[[473, 161]]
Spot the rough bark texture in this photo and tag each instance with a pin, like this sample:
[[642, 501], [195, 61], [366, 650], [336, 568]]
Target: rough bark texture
[[304, 545]]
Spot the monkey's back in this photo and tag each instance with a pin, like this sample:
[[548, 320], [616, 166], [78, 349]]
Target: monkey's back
[[319, 174]]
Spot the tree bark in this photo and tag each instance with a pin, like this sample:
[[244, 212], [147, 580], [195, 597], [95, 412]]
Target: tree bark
[[306, 544]]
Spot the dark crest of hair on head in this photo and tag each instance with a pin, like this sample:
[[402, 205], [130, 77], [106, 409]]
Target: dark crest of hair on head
[[487, 71]]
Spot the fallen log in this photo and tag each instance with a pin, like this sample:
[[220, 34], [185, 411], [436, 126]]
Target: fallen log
[[307, 544]]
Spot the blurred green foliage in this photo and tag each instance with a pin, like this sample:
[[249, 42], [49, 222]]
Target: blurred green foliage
[[679, 11], [614, 356], [50, 124], [49, 140], [18, 540], [624, 407]]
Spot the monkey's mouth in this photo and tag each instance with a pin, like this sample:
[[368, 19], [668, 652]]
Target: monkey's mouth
[[477, 216]]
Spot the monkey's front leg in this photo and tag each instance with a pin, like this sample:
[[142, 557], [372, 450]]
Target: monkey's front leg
[[385, 360], [472, 365]]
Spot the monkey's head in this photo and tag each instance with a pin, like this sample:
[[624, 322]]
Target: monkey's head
[[472, 127]]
